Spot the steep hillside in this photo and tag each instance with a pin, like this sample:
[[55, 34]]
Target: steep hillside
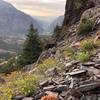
[[68, 69], [13, 21], [75, 8]]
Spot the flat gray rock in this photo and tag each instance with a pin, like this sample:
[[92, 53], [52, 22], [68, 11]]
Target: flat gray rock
[[27, 98], [89, 87], [89, 64], [77, 72]]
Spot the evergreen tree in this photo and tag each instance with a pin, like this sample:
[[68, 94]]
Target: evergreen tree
[[32, 48], [57, 31]]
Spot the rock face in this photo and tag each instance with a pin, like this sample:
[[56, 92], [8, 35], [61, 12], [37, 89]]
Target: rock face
[[75, 8]]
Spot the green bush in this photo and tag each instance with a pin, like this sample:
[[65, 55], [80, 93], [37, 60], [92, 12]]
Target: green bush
[[68, 52], [87, 45], [85, 26], [8, 67], [22, 85], [83, 56], [48, 63]]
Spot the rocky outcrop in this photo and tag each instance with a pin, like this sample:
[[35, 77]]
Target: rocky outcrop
[[78, 81], [75, 8]]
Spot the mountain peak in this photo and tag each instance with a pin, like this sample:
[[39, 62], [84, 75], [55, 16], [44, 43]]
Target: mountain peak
[[15, 21]]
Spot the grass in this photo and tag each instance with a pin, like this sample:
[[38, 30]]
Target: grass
[[68, 52], [83, 56], [48, 63], [22, 84], [19, 85], [87, 45], [85, 26]]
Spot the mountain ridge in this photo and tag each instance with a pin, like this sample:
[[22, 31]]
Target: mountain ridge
[[15, 21]]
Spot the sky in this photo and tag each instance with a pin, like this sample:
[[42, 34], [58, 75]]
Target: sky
[[42, 8]]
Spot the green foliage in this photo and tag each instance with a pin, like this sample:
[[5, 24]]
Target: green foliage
[[48, 63], [87, 45], [83, 56], [57, 31], [68, 52], [31, 50], [7, 67], [85, 27], [20, 85], [6, 55]]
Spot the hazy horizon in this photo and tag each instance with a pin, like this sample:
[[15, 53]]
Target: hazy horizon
[[46, 9]]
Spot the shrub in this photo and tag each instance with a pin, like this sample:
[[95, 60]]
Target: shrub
[[48, 63], [83, 56], [23, 85], [87, 45], [8, 67], [68, 52], [85, 26]]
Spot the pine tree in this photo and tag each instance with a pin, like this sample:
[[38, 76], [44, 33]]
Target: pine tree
[[32, 48], [57, 31]]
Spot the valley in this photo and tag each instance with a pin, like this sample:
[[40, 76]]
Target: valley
[[10, 46], [14, 26]]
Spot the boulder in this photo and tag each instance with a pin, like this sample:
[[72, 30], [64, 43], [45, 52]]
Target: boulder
[[94, 15], [75, 8]]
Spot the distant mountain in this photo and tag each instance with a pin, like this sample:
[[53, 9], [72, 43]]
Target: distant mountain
[[57, 21], [45, 23], [15, 22]]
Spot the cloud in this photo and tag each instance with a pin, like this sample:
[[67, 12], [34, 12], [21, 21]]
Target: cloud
[[40, 7]]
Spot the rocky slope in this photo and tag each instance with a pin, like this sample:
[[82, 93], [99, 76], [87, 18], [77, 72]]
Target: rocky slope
[[13, 21], [77, 80], [76, 74]]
